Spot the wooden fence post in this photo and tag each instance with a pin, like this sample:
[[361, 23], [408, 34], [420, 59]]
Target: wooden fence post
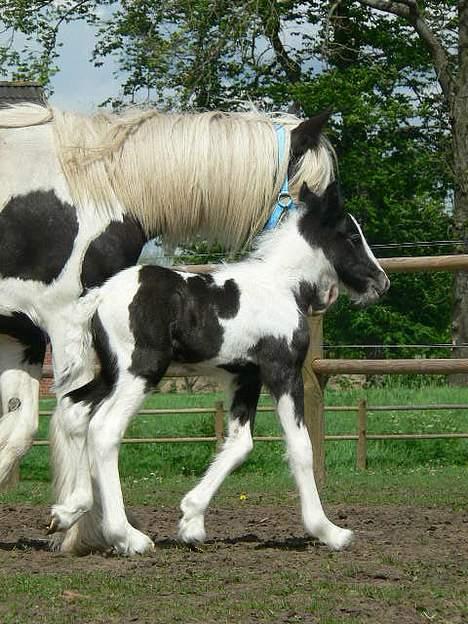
[[219, 423], [313, 398], [361, 444]]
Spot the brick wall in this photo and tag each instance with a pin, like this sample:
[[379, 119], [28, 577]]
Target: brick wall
[[45, 390]]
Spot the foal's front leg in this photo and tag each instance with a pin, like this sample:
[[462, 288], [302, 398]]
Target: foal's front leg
[[242, 392], [290, 406]]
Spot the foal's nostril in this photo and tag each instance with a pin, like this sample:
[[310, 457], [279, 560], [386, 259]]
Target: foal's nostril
[[383, 284]]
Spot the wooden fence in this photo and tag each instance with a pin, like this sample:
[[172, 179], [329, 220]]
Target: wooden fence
[[361, 436]]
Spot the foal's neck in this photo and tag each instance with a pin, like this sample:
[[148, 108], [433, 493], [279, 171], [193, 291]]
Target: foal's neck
[[283, 257]]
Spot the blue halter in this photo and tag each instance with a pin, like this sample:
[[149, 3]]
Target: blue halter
[[284, 200]]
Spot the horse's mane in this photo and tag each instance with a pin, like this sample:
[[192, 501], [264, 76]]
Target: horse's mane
[[214, 173]]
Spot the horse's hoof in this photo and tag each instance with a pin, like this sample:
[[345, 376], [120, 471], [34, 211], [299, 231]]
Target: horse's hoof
[[53, 526]]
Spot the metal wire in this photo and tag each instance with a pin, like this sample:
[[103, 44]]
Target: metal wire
[[395, 346]]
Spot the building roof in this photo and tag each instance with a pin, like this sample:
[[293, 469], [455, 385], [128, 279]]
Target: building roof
[[21, 91]]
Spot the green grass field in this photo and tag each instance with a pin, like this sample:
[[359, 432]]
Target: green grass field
[[408, 565], [190, 459]]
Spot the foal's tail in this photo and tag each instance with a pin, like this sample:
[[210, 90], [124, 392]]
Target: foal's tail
[[78, 350]]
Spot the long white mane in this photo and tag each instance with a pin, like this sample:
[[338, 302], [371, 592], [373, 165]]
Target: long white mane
[[214, 174]]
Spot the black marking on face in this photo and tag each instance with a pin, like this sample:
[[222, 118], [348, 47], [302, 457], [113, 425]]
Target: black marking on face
[[117, 248], [326, 225], [99, 388], [21, 328], [37, 233]]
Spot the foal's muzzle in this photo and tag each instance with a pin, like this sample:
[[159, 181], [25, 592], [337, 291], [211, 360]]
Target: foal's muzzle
[[377, 288]]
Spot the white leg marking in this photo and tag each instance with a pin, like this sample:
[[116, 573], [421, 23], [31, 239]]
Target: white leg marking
[[300, 459], [104, 437], [74, 483], [234, 451]]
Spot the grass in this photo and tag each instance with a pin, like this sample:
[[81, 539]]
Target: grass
[[274, 585]]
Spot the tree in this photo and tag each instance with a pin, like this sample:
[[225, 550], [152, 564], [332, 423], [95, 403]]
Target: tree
[[375, 68], [442, 28]]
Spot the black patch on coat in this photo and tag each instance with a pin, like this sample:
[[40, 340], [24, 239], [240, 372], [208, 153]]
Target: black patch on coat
[[117, 248], [245, 398], [172, 318], [307, 296], [281, 364], [94, 392], [21, 328], [326, 225], [37, 233]]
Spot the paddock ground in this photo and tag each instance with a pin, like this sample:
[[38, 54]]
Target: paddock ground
[[408, 564]]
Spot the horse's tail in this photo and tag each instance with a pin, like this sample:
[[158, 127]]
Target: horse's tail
[[75, 369]]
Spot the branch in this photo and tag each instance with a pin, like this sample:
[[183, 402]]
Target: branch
[[408, 9], [272, 26]]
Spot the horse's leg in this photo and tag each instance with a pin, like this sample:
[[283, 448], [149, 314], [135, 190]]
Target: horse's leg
[[106, 430], [20, 374], [290, 406], [72, 478], [244, 391]]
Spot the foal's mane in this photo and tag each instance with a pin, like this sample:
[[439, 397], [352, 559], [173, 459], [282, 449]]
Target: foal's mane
[[213, 173]]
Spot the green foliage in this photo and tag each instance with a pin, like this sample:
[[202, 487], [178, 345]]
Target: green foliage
[[389, 128]]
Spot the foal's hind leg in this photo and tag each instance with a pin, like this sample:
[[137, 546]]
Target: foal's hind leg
[[20, 373], [244, 391], [106, 430]]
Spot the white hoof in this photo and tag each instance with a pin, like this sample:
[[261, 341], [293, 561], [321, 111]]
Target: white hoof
[[134, 543], [192, 530], [331, 535], [341, 538]]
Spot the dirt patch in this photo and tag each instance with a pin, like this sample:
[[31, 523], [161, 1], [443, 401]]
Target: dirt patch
[[407, 564]]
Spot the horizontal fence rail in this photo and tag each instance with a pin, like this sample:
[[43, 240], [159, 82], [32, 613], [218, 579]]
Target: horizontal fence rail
[[361, 437]]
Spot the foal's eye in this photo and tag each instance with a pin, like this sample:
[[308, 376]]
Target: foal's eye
[[355, 238]]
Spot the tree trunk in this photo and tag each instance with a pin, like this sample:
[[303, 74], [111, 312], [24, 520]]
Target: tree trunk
[[459, 119]]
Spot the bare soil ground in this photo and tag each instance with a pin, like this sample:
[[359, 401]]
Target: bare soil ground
[[407, 565]]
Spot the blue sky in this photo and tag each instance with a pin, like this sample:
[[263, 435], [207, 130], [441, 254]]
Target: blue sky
[[79, 85]]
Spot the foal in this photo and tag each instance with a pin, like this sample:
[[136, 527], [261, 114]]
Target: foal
[[246, 322]]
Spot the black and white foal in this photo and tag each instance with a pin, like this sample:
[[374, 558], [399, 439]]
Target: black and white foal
[[246, 322]]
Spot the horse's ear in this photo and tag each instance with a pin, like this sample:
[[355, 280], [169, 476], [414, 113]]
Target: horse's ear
[[307, 134], [308, 197]]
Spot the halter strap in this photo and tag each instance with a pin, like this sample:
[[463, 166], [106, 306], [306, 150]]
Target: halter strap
[[284, 200]]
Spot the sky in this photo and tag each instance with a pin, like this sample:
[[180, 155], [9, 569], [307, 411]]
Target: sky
[[79, 85]]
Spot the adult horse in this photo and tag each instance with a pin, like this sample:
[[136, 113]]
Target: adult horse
[[79, 197]]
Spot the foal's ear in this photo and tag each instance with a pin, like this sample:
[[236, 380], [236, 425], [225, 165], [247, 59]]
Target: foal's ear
[[333, 205], [307, 134]]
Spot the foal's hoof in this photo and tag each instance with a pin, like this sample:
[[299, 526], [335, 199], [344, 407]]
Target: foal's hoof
[[192, 530], [340, 539], [53, 527]]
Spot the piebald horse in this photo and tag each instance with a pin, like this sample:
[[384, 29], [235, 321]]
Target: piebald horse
[[79, 197]]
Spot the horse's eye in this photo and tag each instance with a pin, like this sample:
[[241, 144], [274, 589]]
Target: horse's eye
[[355, 238]]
